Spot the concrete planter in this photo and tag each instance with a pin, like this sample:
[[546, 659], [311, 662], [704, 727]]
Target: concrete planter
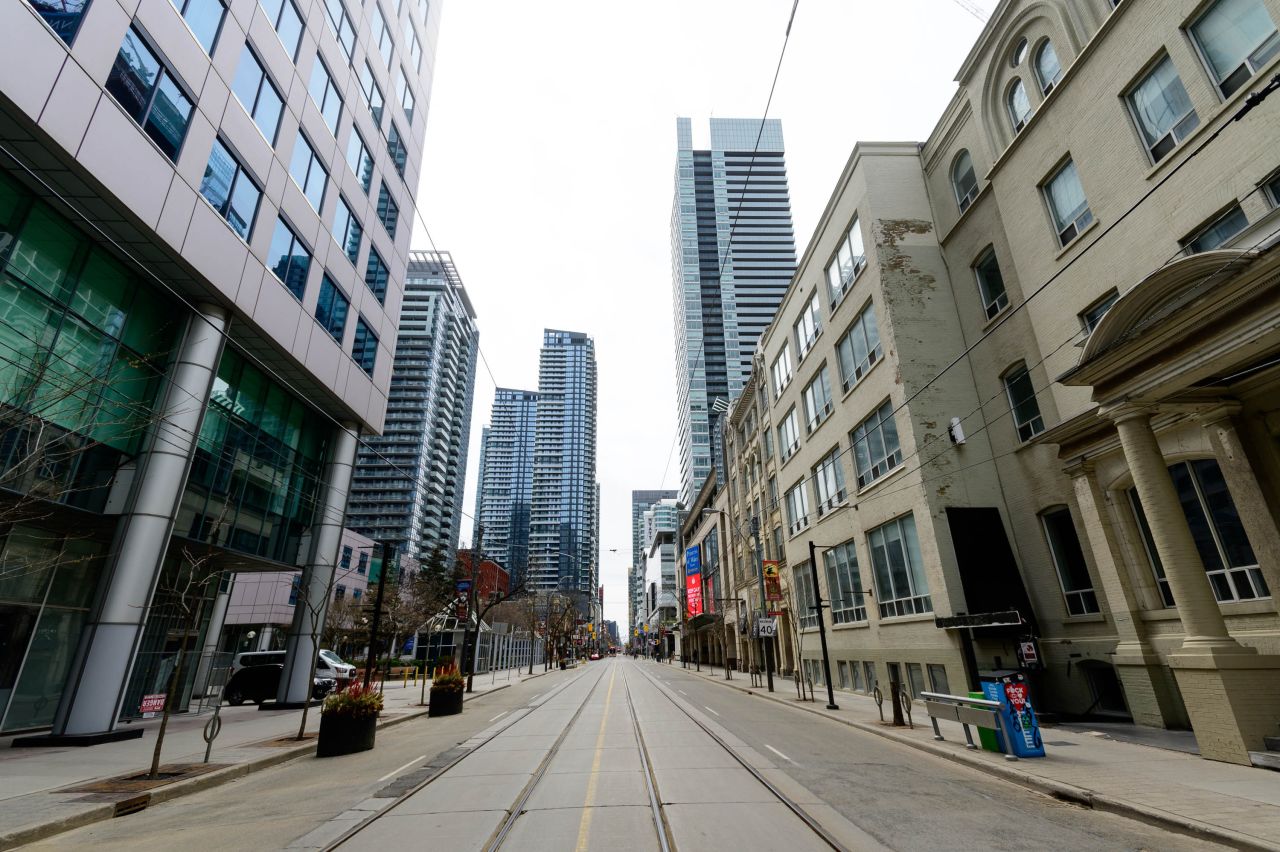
[[445, 702], [345, 734]]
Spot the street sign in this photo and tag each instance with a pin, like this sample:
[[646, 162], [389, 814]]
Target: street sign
[[765, 627]]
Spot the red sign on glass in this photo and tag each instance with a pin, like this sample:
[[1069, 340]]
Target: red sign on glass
[[693, 593], [153, 703]]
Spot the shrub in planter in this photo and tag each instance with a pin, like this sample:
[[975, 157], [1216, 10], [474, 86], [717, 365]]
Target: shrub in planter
[[348, 721], [446, 693]]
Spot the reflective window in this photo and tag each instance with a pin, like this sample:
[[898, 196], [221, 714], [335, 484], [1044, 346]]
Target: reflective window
[[345, 560], [289, 259], [789, 435], [782, 370], [415, 48], [340, 25], [405, 94], [859, 349], [849, 260], [359, 159], [964, 181], [1219, 535], [844, 586], [1236, 38], [1162, 110], [817, 400], [326, 96], [1067, 203], [63, 16], [149, 93], [1068, 558], [808, 326], [1048, 68], [1149, 545], [876, 450], [257, 94], [990, 284], [388, 211], [382, 38], [1219, 232], [1022, 403], [347, 230], [1094, 314], [204, 17], [376, 275], [395, 147], [1019, 106], [828, 482], [797, 502], [901, 587], [372, 93], [307, 171], [806, 606], [331, 308], [365, 348], [286, 20], [231, 191]]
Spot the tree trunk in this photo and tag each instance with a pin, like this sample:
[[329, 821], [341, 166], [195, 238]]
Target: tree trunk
[[175, 678]]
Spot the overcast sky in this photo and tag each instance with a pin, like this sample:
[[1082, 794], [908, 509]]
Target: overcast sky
[[549, 166]]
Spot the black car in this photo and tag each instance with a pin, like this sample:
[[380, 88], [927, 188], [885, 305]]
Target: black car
[[261, 683]]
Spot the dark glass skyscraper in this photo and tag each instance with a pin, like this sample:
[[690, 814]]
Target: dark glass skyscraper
[[504, 493], [733, 254]]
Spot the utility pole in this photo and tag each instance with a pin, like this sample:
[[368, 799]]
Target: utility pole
[[822, 627], [388, 552], [470, 637], [766, 646]]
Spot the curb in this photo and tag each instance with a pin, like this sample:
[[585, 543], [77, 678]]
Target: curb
[[169, 792], [1061, 790]]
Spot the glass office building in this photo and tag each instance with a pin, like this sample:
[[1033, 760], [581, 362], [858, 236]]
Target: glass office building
[[504, 493]]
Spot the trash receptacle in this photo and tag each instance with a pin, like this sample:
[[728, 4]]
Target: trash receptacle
[[986, 736]]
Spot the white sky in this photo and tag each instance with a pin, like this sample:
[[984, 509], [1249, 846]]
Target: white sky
[[549, 163]]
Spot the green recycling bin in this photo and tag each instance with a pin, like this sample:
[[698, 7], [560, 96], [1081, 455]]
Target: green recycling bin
[[985, 735]]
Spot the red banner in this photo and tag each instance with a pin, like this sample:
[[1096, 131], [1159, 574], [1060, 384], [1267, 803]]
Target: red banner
[[693, 593]]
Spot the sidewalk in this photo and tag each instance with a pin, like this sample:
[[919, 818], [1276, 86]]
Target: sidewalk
[[42, 790], [1235, 805]]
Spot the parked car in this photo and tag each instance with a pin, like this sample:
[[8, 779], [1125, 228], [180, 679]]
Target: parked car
[[331, 665], [258, 683], [255, 658]]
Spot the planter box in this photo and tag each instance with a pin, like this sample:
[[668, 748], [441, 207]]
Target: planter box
[[345, 735], [445, 702]]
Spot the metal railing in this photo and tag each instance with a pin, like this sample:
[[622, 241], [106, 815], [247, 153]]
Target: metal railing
[[979, 712]]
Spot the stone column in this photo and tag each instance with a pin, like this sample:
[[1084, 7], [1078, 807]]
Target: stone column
[[317, 575], [1232, 693], [1246, 492], [1149, 690], [91, 702]]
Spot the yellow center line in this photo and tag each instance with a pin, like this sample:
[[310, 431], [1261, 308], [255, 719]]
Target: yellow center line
[[584, 828]]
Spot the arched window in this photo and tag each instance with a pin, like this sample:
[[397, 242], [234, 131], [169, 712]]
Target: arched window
[[1019, 106], [964, 181], [1019, 54], [1048, 68]]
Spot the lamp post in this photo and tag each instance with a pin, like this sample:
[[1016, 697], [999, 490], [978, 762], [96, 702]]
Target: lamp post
[[822, 626]]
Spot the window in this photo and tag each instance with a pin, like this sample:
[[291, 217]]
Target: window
[[915, 679], [1048, 68], [289, 260], [1220, 538], [990, 284], [1094, 314], [1273, 189], [388, 211], [63, 16], [1218, 232], [331, 308], [773, 492], [1019, 106], [307, 171], [1149, 545], [357, 594], [938, 678], [844, 585], [230, 190], [345, 561], [1236, 38], [284, 17], [362, 565], [850, 258], [806, 605], [415, 48], [875, 445], [359, 159], [901, 587], [859, 349], [150, 94], [808, 327], [964, 181], [365, 348], [797, 508], [376, 275], [1067, 203], [204, 17], [782, 370], [817, 400], [340, 26], [395, 147], [828, 482], [293, 589], [405, 94], [258, 95], [347, 230], [1019, 54], [1161, 109], [1022, 403], [326, 96], [339, 592], [869, 672], [372, 94], [382, 36], [1068, 558], [788, 435]]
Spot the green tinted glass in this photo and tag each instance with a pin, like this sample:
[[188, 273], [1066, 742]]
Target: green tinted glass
[[103, 293], [45, 251]]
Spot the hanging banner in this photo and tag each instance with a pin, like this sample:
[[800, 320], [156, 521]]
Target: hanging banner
[[772, 582], [693, 580]]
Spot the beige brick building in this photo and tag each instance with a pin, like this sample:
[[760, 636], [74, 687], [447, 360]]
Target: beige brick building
[[1031, 365]]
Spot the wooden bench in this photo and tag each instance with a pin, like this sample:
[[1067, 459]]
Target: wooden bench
[[967, 711]]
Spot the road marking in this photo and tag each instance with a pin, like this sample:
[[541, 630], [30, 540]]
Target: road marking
[[535, 698], [402, 768], [778, 753], [708, 708], [499, 716], [584, 827], [682, 692]]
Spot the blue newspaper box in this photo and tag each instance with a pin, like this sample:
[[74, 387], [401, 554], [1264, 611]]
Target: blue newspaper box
[[1016, 712]]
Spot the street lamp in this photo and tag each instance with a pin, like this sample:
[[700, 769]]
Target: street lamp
[[822, 626]]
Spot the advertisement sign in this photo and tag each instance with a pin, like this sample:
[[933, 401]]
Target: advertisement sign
[[153, 703], [693, 580], [1019, 716], [772, 582]]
